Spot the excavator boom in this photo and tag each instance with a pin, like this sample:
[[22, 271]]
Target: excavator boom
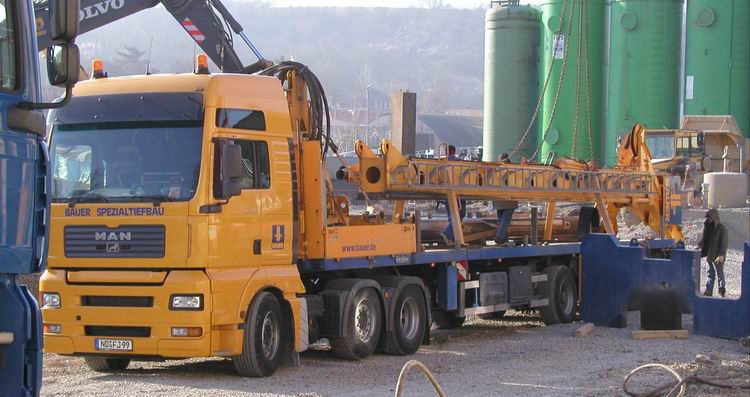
[[204, 20]]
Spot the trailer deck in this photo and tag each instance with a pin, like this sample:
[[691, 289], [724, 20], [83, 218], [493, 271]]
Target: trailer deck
[[441, 255]]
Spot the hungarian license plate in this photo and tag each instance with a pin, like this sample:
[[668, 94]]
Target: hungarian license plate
[[113, 344]]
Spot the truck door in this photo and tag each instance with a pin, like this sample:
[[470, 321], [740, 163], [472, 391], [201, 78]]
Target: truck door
[[276, 201], [238, 226]]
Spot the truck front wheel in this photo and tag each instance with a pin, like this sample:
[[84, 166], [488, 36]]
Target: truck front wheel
[[104, 364], [363, 330], [262, 347]]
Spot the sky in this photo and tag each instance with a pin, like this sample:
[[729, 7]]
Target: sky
[[383, 3]]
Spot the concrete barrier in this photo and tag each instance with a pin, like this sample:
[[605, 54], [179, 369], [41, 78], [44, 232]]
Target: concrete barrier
[[726, 189]]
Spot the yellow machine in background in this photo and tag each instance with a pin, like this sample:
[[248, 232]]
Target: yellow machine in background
[[702, 144]]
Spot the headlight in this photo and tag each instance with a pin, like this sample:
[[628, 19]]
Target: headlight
[[50, 300], [186, 302]]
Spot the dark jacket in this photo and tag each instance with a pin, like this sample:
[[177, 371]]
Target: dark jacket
[[718, 240]]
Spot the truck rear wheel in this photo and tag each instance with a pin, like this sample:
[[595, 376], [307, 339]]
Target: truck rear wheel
[[105, 364], [262, 347], [410, 318], [447, 320], [363, 331], [562, 294]]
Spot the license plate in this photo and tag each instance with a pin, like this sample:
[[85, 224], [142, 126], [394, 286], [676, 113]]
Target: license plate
[[113, 344]]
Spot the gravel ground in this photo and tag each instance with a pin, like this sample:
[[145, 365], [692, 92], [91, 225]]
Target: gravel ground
[[516, 356]]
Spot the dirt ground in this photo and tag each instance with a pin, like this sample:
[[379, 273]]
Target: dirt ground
[[515, 356]]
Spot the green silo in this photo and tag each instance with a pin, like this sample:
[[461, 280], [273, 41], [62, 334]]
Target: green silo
[[510, 78], [643, 76], [577, 76], [717, 59]]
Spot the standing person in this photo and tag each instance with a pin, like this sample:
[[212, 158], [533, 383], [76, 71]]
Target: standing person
[[448, 232], [713, 246], [505, 209]]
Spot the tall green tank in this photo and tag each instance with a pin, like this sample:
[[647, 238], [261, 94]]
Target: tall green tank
[[717, 59], [643, 76], [564, 127], [510, 78]]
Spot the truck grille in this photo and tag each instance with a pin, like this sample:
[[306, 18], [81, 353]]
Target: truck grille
[[117, 301], [120, 242], [106, 330]]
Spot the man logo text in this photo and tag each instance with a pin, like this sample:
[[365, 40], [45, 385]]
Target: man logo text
[[112, 236]]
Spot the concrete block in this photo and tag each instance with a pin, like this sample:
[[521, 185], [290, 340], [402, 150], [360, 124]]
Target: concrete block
[[726, 189]]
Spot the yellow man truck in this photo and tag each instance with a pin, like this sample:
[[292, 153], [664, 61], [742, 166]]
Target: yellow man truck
[[192, 216]]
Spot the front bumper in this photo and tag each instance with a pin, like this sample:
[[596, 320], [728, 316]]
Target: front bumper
[[154, 324]]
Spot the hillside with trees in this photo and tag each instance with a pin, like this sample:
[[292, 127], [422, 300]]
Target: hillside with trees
[[436, 52]]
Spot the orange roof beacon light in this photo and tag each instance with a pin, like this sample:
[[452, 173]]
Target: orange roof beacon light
[[201, 63], [97, 69]]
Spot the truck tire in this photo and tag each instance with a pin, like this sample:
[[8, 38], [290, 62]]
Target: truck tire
[[410, 317], [561, 291], [363, 331], [263, 341], [105, 364], [493, 316], [447, 320]]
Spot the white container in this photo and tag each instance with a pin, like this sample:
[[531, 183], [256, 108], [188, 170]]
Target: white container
[[726, 189]]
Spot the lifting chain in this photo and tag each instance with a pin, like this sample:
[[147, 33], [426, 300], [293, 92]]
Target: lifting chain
[[578, 82], [548, 75], [588, 79], [559, 82]]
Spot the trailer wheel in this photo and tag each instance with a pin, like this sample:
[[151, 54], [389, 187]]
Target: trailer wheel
[[363, 331], [263, 341], [493, 316], [104, 364], [561, 291], [447, 320], [410, 316]]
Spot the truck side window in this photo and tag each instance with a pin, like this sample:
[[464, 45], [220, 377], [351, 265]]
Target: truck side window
[[256, 171], [242, 119], [8, 77]]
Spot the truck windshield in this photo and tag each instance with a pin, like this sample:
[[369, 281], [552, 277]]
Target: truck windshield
[[661, 146], [126, 161]]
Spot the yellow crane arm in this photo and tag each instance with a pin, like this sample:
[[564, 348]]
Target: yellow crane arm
[[632, 184]]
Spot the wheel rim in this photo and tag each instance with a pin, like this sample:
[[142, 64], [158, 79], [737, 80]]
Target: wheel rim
[[409, 317], [364, 320], [269, 336], [567, 300]]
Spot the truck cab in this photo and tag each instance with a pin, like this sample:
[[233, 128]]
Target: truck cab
[[23, 181], [171, 210]]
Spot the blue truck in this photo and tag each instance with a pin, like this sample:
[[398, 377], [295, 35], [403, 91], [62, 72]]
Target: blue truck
[[23, 178]]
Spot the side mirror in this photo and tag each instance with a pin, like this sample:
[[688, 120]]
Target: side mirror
[[62, 64], [63, 20], [231, 170]]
